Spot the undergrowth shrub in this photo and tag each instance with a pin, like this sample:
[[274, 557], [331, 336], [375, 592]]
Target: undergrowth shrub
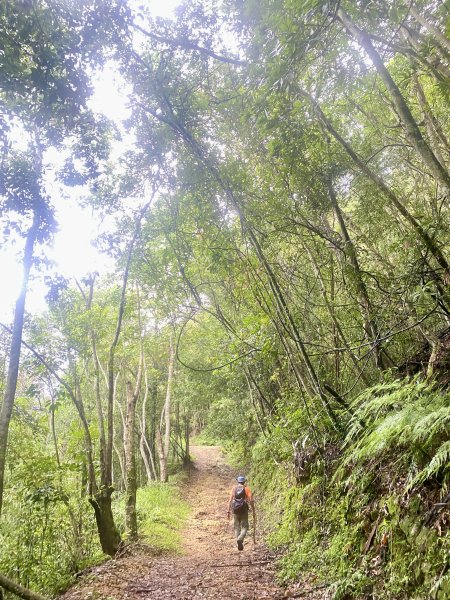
[[48, 530], [408, 418], [46, 537], [358, 521], [162, 514]]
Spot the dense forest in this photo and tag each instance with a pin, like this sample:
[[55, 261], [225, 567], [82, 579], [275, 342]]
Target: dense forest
[[280, 193]]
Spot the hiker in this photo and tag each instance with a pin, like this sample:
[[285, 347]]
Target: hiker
[[240, 499]]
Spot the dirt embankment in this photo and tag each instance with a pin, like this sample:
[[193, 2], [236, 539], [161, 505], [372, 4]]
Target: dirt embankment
[[210, 567]]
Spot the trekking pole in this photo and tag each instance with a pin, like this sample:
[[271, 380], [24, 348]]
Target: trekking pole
[[254, 528]]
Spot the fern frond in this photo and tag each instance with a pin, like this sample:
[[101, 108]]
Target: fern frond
[[408, 416], [432, 423], [440, 459]]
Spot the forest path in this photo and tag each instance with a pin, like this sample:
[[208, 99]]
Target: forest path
[[210, 567]]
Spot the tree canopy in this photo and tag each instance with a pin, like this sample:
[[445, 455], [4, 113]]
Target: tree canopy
[[281, 191]]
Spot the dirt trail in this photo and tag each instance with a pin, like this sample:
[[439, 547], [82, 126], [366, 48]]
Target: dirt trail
[[210, 567]]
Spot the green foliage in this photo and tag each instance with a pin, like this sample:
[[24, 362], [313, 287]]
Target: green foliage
[[48, 532], [408, 418], [322, 524], [297, 232], [162, 514], [356, 585]]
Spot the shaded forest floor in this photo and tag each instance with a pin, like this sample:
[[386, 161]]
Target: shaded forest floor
[[210, 565]]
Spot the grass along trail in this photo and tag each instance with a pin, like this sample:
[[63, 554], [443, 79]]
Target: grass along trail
[[210, 565]]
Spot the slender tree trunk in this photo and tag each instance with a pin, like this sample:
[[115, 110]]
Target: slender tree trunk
[[176, 431], [438, 36], [161, 457], [150, 450], [428, 242], [370, 327], [120, 484], [435, 346], [14, 352], [147, 446], [107, 468], [98, 402], [144, 456], [19, 590], [289, 322], [151, 444], [130, 456], [432, 64], [143, 430], [101, 502], [434, 128], [259, 418], [331, 304], [97, 369], [130, 462], [411, 128], [163, 444], [168, 402], [53, 428], [187, 458], [340, 334]]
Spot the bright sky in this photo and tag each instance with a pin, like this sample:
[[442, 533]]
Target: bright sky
[[72, 250]]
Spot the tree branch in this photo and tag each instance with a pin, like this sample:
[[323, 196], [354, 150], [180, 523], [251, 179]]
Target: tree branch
[[188, 45]]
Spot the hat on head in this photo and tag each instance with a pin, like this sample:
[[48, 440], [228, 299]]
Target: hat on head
[[240, 479]]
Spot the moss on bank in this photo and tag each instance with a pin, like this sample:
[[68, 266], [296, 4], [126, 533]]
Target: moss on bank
[[364, 515]]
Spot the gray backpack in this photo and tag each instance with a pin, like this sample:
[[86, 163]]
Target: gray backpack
[[240, 506]]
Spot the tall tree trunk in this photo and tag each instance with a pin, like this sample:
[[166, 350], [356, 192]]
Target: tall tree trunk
[[107, 467], [411, 128], [439, 37], [432, 63], [187, 458], [109, 535], [289, 323], [370, 326], [428, 242], [97, 370], [163, 444], [14, 352], [119, 483], [161, 458], [144, 447], [256, 405], [130, 466], [340, 334], [101, 502], [168, 402], [130, 458], [153, 425], [144, 455], [434, 128]]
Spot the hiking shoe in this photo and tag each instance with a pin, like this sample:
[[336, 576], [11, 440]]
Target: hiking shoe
[[240, 545]]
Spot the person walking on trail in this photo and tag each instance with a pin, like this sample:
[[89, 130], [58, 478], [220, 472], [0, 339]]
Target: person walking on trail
[[240, 500]]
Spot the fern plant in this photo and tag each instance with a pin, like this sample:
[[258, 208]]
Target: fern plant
[[407, 420]]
